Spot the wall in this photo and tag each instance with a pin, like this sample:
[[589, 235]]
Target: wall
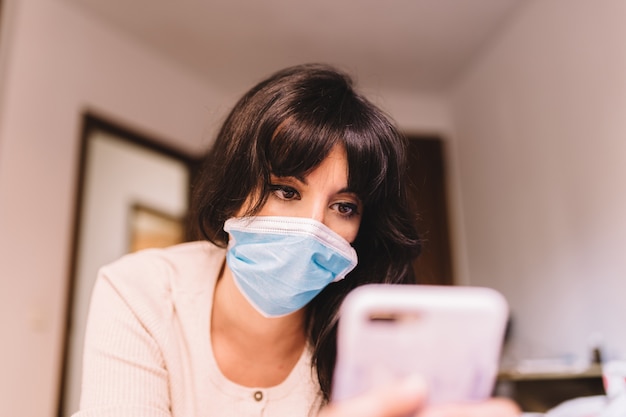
[[62, 61], [6, 40], [539, 129]]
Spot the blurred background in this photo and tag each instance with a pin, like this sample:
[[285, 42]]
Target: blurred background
[[107, 105]]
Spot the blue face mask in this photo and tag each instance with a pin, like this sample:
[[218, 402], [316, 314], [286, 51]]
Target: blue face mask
[[282, 263]]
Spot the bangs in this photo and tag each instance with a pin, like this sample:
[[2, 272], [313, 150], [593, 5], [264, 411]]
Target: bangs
[[373, 146], [303, 141], [300, 145]]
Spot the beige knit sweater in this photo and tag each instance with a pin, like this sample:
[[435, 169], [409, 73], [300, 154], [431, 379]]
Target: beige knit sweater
[[148, 349]]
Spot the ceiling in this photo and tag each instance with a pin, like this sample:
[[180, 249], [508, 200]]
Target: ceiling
[[406, 45]]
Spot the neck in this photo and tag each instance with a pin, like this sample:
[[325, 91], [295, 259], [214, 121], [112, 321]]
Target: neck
[[249, 348]]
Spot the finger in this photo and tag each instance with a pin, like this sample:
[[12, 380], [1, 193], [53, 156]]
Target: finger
[[395, 401], [496, 407]]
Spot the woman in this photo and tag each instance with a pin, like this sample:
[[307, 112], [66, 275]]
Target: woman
[[305, 177]]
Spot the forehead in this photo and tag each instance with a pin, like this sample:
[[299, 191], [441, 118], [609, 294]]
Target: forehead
[[334, 168]]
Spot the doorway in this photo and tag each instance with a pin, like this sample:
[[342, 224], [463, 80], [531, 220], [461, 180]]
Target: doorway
[[427, 177], [132, 193]]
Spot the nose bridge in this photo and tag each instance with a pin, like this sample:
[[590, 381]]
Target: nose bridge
[[316, 209]]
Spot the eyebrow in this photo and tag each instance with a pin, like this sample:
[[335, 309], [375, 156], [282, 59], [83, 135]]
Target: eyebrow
[[347, 190], [298, 177], [305, 182]]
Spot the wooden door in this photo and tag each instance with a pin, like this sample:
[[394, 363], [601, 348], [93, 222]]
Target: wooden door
[[428, 184]]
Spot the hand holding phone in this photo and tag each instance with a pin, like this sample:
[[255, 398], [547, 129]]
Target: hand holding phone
[[450, 336]]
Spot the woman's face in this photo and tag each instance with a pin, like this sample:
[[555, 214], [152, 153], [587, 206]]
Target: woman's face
[[322, 195]]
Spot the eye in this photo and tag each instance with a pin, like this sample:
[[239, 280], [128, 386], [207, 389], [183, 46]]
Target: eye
[[346, 209], [284, 192]]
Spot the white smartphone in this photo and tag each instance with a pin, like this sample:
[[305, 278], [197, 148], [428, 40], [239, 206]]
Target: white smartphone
[[449, 335]]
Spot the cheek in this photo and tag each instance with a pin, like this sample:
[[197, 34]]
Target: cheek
[[248, 204], [347, 229], [273, 208]]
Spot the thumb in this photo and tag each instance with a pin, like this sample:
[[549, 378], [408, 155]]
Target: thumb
[[396, 400]]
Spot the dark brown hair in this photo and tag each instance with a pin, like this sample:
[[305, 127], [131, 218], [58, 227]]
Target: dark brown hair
[[286, 125]]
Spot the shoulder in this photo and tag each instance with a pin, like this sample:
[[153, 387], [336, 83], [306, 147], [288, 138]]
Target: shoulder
[[155, 274], [174, 261]]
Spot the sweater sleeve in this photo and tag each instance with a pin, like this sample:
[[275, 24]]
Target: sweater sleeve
[[124, 373]]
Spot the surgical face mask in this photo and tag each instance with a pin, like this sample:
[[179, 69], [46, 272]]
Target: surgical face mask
[[282, 263]]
